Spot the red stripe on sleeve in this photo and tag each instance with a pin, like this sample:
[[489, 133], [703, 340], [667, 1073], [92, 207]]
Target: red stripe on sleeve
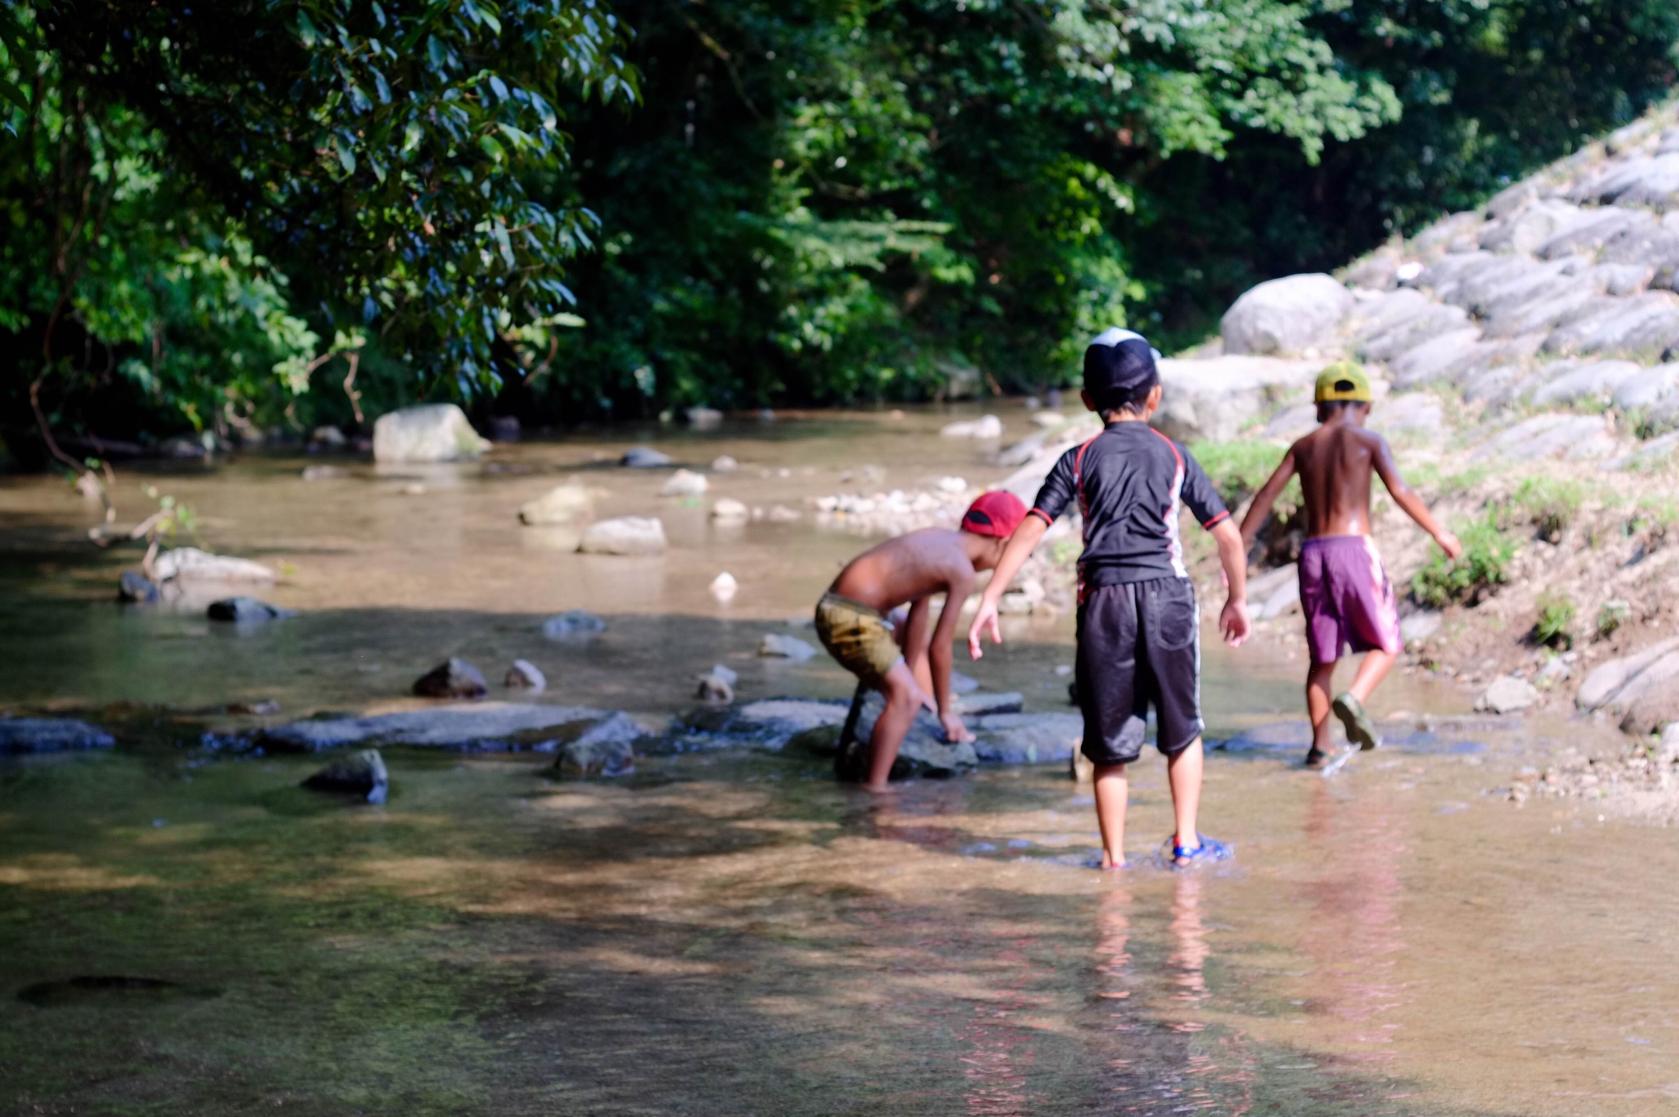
[[1224, 515], [1042, 515]]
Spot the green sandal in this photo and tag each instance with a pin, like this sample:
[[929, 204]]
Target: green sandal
[[1356, 722]]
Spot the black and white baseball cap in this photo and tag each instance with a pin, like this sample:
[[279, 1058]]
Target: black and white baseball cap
[[1118, 360]]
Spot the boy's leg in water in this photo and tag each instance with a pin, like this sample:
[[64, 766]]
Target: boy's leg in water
[[903, 698], [1183, 773], [1112, 788], [1320, 680]]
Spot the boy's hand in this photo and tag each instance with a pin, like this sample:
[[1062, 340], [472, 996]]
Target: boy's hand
[[985, 620], [1233, 622], [1449, 543], [954, 731]]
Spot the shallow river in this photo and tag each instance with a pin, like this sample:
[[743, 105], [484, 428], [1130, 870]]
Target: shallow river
[[733, 933]]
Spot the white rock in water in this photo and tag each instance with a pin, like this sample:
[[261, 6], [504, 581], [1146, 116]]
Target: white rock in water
[[684, 482], [628, 535], [524, 675], [724, 463], [433, 432], [724, 587], [643, 457], [1287, 316], [189, 564], [1049, 419], [986, 426], [955, 486], [776, 645], [1507, 695], [563, 504], [728, 508], [703, 417]]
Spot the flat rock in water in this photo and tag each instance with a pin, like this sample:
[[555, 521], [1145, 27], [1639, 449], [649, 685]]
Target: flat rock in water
[[478, 726], [433, 432], [563, 504], [246, 610], [191, 564], [573, 627], [1020, 738], [136, 589], [644, 457], [606, 748], [453, 678], [628, 535], [31, 735], [363, 774], [1286, 316], [776, 645]]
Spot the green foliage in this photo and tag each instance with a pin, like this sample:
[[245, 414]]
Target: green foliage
[[1240, 469], [1473, 576], [1554, 625], [1611, 615], [1550, 504]]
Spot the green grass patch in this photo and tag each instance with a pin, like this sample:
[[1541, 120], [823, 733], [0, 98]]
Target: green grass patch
[[1611, 615], [1472, 577], [1239, 469], [1554, 625], [1550, 504]]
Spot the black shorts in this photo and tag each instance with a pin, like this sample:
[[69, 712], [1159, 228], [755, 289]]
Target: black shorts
[[1139, 643]]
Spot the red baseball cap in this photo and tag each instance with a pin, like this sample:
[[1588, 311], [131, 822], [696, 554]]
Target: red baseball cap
[[995, 514]]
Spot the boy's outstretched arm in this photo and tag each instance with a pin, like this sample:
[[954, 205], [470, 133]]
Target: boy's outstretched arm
[[941, 654], [1265, 498], [1407, 499], [1233, 556], [1020, 546]]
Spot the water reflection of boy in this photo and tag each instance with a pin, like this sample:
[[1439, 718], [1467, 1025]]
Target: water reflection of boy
[[910, 570]]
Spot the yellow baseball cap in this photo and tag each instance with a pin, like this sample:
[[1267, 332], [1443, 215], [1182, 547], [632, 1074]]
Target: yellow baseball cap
[[1343, 380]]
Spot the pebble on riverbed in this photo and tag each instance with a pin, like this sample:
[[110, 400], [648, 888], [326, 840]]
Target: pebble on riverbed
[[522, 674], [454, 678]]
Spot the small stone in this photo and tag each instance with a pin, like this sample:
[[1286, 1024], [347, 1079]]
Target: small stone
[[574, 627], [136, 588], [1507, 695], [684, 482], [1049, 419], [562, 504], [724, 463], [703, 418], [729, 509], [716, 689], [778, 645], [986, 426], [644, 457], [606, 748], [724, 587], [261, 708], [324, 472], [245, 610], [454, 678], [628, 535], [524, 675], [363, 774]]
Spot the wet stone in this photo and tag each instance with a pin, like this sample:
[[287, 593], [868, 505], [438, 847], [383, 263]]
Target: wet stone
[[644, 457], [136, 589], [776, 645], [522, 674], [246, 610], [573, 627], [34, 735], [605, 749], [468, 727], [454, 678], [363, 775]]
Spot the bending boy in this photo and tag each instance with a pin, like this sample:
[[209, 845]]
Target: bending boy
[[911, 569], [1138, 624], [1345, 592]]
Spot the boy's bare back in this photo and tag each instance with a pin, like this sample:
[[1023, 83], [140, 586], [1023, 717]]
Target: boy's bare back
[[907, 568], [1335, 463]]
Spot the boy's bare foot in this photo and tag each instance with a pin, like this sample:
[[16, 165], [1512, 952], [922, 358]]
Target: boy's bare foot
[[1356, 722]]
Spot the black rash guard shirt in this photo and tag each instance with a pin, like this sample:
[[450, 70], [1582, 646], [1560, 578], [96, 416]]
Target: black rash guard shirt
[[1130, 482]]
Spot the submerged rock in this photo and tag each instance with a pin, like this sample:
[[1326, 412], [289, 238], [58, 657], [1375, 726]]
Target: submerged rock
[[606, 748], [362, 774], [924, 751], [776, 645], [644, 457], [191, 564], [433, 432], [524, 675], [576, 626], [628, 535], [454, 678], [246, 610], [478, 726], [563, 504], [684, 482], [136, 589], [30, 735]]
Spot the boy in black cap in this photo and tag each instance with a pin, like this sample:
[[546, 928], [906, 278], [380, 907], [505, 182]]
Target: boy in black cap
[[1138, 626]]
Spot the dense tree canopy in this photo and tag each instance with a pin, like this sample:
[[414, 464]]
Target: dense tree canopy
[[226, 216]]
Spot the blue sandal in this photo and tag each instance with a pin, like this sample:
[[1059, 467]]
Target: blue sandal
[[1210, 849]]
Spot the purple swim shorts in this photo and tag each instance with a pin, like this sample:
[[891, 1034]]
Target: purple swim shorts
[[1347, 598]]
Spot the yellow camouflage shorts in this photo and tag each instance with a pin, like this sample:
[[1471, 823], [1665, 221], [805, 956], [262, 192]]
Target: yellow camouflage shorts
[[858, 638]]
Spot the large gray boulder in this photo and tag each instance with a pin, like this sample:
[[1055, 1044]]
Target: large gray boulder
[[1286, 317], [1643, 181], [627, 535], [23, 735], [189, 564], [1569, 382], [432, 432], [1217, 397], [1643, 689]]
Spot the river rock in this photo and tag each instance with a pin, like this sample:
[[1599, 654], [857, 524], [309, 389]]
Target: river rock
[[136, 589], [1609, 678], [717, 686], [328, 438], [29, 735], [1507, 695], [1570, 437], [433, 432], [522, 674], [1640, 181], [724, 587], [1420, 626], [924, 751], [776, 645], [466, 727], [1570, 382], [563, 504], [703, 418], [605, 749], [576, 626], [1647, 389], [246, 610], [986, 426], [189, 564], [1216, 397], [1018, 738], [644, 457], [724, 463], [363, 774], [730, 510], [1286, 316], [453, 678], [506, 428], [627, 535], [319, 472], [684, 482]]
